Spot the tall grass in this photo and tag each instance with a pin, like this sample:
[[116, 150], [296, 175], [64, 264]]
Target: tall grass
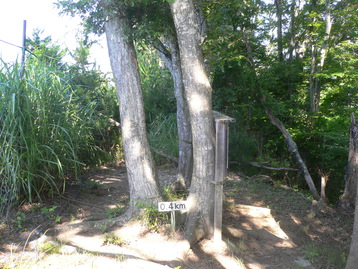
[[163, 135], [44, 128]]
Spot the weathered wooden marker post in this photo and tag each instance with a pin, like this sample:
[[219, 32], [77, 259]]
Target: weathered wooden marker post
[[221, 164]]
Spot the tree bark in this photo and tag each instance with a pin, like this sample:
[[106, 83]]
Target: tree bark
[[348, 199], [171, 57], [198, 92], [292, 148], [351, 191], [140, 166]]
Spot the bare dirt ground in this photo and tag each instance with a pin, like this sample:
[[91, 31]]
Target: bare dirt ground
[[265, 226]]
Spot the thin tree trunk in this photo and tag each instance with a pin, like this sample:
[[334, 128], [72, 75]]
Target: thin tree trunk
[[201, 20], [318, 64], [199, 223], [170, 55], [312, 90], [278, 5], [140, 166], [248, 34], [292, 148], [348, 199], [248, 45], [351, 191], [327, 35], [323, 53], [292, 30], [313, 70]]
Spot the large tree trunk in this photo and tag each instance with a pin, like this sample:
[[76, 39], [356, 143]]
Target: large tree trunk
[[140, 166], [198, 92], [292, 148], [350, 193], [349, 196], [171, 57]]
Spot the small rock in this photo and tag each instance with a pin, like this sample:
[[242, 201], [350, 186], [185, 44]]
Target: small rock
[[303, 263], [34, 244]]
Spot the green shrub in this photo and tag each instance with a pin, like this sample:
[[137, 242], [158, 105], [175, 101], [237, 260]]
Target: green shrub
[[152, 217]]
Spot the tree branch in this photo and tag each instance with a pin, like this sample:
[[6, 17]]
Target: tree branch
[[292, 147], [272, 168], [165, 155]]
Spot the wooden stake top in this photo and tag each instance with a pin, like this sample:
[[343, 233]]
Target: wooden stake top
[[221, 117]]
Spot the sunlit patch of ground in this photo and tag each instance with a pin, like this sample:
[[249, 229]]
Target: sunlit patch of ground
[[263, 227]]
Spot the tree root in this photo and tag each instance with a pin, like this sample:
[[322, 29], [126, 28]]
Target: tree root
[[87, 225]]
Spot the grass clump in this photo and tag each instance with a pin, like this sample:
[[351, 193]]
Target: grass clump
[[163, 136], [112, 239], [49, 130], [169, 193], [50, 247], [114, 212], [152, 217], [327, 257]]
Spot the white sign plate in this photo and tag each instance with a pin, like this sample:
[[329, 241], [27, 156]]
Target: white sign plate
[[172, 206]]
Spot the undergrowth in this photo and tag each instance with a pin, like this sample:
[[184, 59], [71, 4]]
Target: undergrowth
[[152, 217]]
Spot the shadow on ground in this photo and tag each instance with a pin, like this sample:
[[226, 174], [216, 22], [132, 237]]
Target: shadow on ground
[[265, 226]]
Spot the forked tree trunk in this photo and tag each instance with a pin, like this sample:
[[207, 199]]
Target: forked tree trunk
[[292, 148], [198, 92], [348, 199], [169, 52], [352, 179], [140, 166]]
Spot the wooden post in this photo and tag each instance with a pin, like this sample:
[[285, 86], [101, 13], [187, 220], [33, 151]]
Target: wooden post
[[221, 164], [324, 180]]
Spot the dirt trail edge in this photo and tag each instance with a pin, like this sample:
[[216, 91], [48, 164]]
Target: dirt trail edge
[[264, 226]]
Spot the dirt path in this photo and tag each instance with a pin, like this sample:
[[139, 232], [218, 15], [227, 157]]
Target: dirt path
[[265, 226]]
